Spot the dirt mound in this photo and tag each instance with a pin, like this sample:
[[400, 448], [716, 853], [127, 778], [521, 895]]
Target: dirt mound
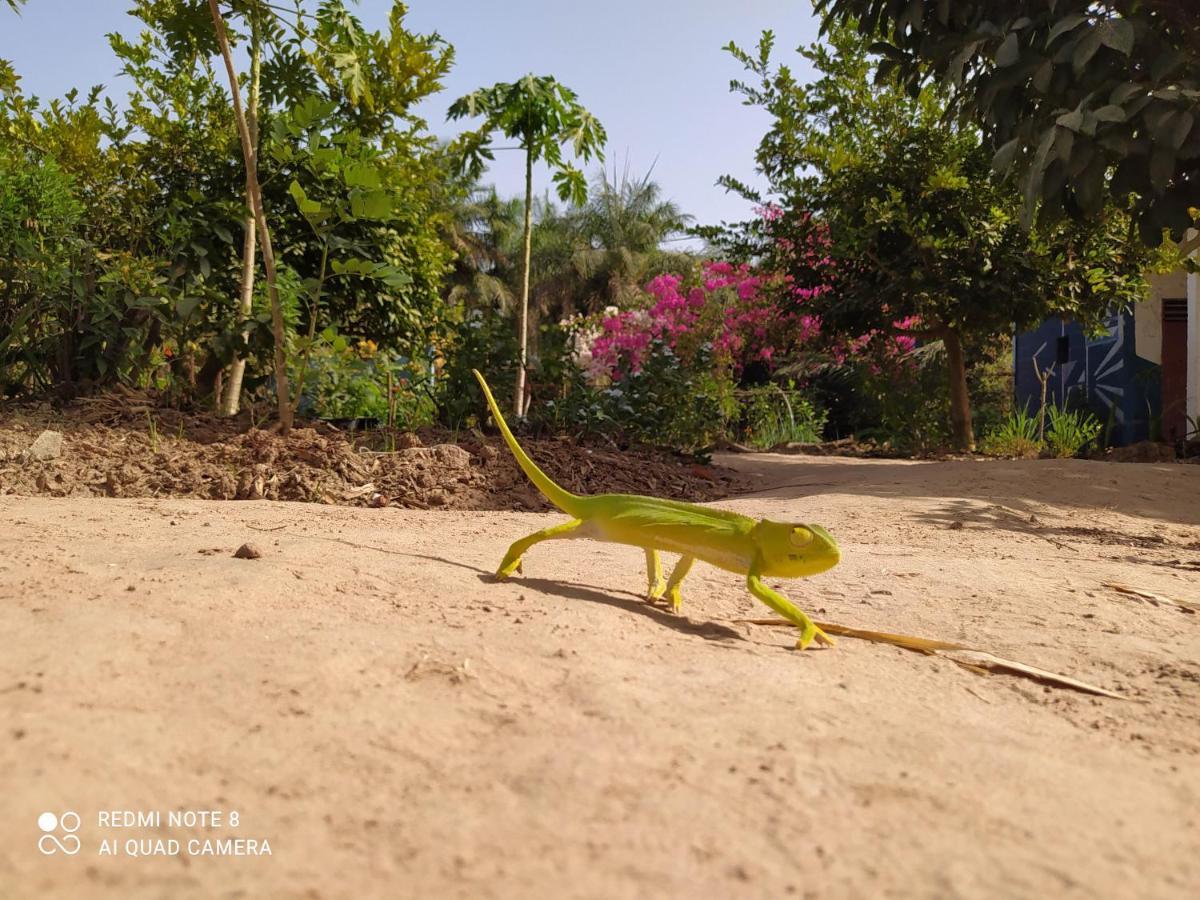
[[125, 446]]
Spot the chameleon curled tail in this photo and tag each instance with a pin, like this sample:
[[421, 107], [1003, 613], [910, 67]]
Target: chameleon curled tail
[[728, 540]]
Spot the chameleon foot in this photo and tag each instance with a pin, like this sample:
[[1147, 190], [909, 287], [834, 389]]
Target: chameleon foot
[[655, 586], [811, 632], [676, 599], [508, 567]]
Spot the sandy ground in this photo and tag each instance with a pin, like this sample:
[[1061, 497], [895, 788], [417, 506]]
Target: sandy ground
[[394, 724]]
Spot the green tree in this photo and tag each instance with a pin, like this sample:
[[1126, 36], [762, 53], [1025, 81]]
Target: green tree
[[149, 250], [157, 270], [928, 245], [541, 115], [1086, 99], [485, 232], [622, 228]]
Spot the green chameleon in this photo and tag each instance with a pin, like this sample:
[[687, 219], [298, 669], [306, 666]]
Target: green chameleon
[[721, 538]]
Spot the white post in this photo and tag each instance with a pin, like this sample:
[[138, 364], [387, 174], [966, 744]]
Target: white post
[[1193, 346]]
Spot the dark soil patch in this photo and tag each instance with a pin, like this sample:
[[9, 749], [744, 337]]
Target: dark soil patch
[[125, 445]]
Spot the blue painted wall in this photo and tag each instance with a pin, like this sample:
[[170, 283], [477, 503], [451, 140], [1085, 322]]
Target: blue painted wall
[[1102, 373]]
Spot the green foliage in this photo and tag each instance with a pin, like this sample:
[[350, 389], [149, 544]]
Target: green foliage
[[542, 115], [990, 382], [1016, 436], [482, 340], [150, 251], [351, 381], [927, 243], [1086, 100], [771, 416], [903, 407], [351, 177], [1070, 431], [38, 248], [666, 403]]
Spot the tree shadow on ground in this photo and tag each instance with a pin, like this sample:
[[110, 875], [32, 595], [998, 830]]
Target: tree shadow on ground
[[1155, 492]]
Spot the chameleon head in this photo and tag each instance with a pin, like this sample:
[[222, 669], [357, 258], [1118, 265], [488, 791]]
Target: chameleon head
[[794, 551]]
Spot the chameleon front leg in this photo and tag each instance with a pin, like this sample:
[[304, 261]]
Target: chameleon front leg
[[512, 559], [808, 628], [656, 587], [677, 575]]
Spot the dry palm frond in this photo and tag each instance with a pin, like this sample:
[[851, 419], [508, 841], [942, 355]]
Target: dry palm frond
[[1186, 606], [979, 661]]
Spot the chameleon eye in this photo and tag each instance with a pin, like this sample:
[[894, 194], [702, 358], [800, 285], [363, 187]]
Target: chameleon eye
[[801, 537]]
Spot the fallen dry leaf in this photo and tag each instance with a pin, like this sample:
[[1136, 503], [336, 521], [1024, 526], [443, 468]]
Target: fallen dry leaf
[[1150, 597], [979, 661]]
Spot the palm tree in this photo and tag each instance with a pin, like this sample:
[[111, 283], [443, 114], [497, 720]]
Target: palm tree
[[582, 259], [623, 227], [485, 232]]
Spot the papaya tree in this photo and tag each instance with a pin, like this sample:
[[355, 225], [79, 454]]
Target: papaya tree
[[541, 115]]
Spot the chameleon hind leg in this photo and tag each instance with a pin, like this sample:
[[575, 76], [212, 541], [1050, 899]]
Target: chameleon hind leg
[[808, 628], [512, 559], [655, 586], [677, 575]]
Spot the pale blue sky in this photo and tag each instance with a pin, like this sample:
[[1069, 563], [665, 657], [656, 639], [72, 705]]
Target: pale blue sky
[[652, 70]]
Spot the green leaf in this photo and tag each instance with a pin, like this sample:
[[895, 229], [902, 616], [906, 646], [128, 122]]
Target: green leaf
[[1160, 121], [1123, 92], [1033, 178], [1089, 186], [1085, 50], [1064, 141], [371, 205], [308, 208], [1117, 34], [1004, 157], [362, 175], [1041, 78], [393, 277], [1064, 25], [185, 306], [1110, 113], [1181, 128], [1162, 167], [1072, 120], [1009, 51]]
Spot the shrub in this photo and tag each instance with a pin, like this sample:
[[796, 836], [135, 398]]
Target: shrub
[[1016, 436], [483, 340], [348, 380], [770, 416], [1070, 431]]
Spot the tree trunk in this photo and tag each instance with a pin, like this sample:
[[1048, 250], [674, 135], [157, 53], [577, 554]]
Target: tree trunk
[[250, 154], [960, 401], [230, 397], [523, 334]]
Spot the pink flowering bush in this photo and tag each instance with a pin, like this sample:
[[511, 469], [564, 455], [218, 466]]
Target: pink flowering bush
[[737, 314]]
